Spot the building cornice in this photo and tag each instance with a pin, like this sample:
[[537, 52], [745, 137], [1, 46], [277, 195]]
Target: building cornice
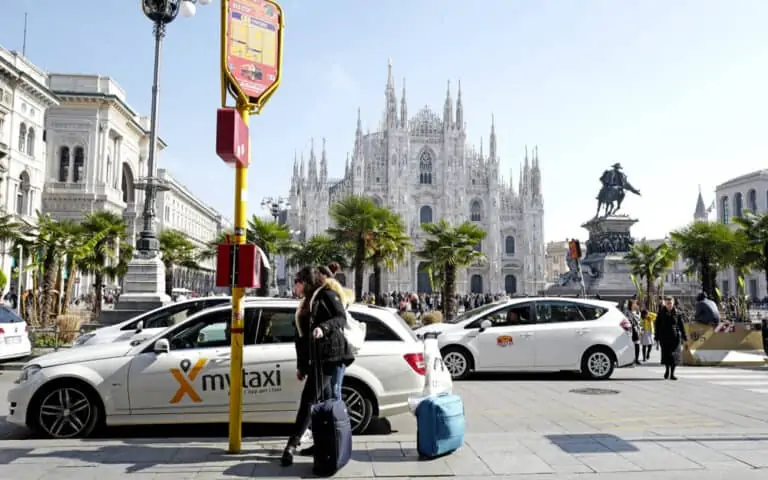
[[745, 179], [20, 78], [110, 99]]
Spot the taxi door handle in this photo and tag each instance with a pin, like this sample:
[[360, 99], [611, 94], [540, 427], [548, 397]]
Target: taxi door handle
[[526, 334], [582, 331]]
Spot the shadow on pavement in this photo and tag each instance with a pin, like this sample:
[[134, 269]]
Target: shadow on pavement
[[179, 433]]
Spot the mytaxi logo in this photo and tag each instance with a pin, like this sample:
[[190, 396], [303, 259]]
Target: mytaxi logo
[[185, 375]]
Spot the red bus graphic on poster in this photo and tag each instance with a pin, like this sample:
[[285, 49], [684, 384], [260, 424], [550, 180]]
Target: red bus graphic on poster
[[252, 45]]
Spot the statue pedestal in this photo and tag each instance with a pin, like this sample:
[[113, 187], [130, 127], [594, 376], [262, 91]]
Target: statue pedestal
[[143, 290]]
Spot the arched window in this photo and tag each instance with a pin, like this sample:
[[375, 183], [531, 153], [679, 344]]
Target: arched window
[[510, 284], [738, 205], [476, 211], [31, 142], [22, 137], [509, 245], [63, 164], [22, 194], [109, 168], [377, 201], [476, 284], [725, 215], [79, 167], [425, 168], [752, 200], [425, 214]]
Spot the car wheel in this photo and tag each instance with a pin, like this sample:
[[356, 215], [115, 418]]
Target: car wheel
[[598, 363], [65, 410], [458, 361], [359, 406]]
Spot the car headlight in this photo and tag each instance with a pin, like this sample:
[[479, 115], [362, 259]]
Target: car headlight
[[27, 373], [83, 339]]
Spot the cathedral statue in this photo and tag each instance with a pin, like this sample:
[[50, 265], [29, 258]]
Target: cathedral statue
[[611, 194]]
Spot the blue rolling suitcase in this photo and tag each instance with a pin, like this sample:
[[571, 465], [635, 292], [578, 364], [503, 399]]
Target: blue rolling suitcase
[[440, 425], [331, 432]]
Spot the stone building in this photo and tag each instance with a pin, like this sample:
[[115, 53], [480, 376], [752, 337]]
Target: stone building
[[422, 167], [733, 198], [556, 264], [179, 209], [24, 99]]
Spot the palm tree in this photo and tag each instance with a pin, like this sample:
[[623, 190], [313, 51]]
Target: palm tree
[[447, 249], [274, 239], [104, 260], [178, 251], [709, 248], [9, 227], [210, 249], [49, 243], [755, 230], [650, 263], [322, 249], [389, 247], [355, 218]]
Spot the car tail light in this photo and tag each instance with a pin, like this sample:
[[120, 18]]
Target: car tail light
[[626, 324], [2, 332], [26, 328], [416, 361]]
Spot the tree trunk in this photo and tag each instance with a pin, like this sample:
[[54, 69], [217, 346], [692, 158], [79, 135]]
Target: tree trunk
[[169, 280], [377, 270], [358, 263], [69, 284], [263, 290], [449, 292], [49, 279], [649, 303], [708, 282], [58, 288], [98, 294]]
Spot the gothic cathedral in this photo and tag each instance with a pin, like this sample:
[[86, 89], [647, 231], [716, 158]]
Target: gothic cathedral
[[422, 168]]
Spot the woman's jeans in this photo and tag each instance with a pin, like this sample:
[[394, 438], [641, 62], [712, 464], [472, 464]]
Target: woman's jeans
[[308, 398], [337, 377]]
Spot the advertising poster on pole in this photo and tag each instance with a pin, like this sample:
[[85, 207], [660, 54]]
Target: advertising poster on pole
[[253, 48]]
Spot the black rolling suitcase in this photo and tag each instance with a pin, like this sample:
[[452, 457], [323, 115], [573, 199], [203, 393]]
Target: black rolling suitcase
[[331, 430]]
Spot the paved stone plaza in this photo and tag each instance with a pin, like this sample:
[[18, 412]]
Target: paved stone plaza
[[711, 424]]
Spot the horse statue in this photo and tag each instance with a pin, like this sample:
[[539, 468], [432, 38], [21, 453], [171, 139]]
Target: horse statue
[[612, 192]]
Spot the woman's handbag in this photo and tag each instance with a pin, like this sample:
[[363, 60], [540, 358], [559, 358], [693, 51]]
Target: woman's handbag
[[354, 333]]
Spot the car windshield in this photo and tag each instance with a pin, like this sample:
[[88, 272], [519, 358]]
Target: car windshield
[[9, 316], [475, 311]]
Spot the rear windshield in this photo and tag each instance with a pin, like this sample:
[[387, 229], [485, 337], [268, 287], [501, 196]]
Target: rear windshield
[[8, 316]]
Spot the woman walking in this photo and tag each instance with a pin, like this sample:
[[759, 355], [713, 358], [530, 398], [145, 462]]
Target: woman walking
[[320, 348], [633, 314], [670, 336]]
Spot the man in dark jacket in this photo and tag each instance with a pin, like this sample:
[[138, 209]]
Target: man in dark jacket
[[706, 310]]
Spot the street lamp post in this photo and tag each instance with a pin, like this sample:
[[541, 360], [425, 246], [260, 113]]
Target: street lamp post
[[274, 205], [145, 279]]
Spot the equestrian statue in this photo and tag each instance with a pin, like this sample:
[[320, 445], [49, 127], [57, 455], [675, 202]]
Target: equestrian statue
[[612, 192]]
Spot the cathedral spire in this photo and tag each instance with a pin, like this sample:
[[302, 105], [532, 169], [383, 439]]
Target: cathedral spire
[[493, 138], [312, 162], [358, 136], [390, 98], [700, 214], [323, 165], [448, 108], [403, 109], [459, 110], [346, 167]]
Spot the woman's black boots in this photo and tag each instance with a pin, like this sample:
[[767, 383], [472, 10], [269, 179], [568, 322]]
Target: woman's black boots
[[287, 459]]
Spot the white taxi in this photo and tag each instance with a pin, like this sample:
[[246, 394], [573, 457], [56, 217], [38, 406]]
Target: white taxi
[[182, 375], [14, 335], [537, 334]]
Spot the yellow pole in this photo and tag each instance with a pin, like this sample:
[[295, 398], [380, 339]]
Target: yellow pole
[[238, 310]]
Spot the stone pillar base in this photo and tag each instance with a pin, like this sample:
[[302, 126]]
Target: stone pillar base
[[144, 285]]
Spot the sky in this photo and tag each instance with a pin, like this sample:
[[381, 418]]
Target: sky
[[674, 91]]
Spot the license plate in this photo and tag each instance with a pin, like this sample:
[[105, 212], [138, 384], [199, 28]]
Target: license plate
[[12, 340]]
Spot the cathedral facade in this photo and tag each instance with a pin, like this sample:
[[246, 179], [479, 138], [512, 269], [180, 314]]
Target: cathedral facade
[[423, 168]]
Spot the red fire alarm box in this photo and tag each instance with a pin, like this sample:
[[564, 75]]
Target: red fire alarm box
[[232, 137], [238, 266]]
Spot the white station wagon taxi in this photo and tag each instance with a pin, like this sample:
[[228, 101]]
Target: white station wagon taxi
[[182, 375], [537, 334]]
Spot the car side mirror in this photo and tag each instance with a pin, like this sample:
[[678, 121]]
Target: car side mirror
[[485, 324], [140, 326], [162, 346]]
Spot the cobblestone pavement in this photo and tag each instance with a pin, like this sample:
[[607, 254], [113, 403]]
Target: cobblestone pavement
[[711, 424]]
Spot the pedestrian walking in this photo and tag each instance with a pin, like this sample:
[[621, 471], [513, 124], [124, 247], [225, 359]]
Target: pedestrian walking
[[647, 320], [633, 315], [670, 337]]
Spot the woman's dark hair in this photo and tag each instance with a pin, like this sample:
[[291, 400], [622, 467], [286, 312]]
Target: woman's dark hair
[[334, 267], [309, 276], [643, 313], [325, 271]]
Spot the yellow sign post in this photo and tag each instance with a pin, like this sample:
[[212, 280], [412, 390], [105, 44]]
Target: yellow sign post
[[251, 60]]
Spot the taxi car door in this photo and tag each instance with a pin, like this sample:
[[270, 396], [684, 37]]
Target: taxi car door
[[509, 343]]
